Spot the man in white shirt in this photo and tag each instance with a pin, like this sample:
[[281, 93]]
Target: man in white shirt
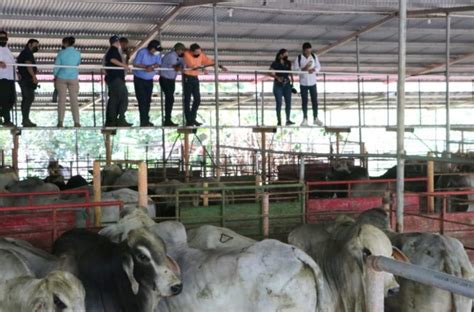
[[7, 81], [308, 61]]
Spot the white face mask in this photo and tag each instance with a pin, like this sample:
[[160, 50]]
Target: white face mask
[[156, 53]]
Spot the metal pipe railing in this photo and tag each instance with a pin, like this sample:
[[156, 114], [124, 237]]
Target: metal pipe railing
[[422, 275]]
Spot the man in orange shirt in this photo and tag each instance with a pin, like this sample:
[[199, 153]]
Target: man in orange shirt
[[195, 60]]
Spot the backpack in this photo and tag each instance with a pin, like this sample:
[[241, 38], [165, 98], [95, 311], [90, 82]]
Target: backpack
[[299, 58]]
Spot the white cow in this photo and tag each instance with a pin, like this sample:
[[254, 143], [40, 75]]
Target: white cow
[[340, 250], [58, 291], [253, 276]]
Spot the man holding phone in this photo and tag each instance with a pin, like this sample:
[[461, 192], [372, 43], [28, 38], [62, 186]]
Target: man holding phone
[[308, 62]]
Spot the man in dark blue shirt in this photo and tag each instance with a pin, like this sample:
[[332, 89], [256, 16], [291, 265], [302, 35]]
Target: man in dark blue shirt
[[115, 78], [28, 80]]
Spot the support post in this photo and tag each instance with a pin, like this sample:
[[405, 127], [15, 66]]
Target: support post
[[358, 95], [204, 162], [108, 145], [401, 113], [258, 183], [3, 157], [448, 98], [216, 82], [301, 175], [142, 185], [205, 198], [97, 192], [264, 156], [16, 144], [186, 157], [265, 214], [430, 184]]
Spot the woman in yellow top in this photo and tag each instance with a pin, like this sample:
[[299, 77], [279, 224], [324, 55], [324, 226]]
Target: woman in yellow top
[[195, 61]]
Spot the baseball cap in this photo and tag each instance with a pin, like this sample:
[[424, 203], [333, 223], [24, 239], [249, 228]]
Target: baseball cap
[[155, 44], [114, 39]]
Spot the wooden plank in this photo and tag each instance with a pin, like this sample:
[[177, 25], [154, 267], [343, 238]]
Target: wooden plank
[[264, 129]]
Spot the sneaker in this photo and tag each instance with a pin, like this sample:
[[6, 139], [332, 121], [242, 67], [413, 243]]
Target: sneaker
[[289, 123], [60, 124], [304, 123], [317, 122], [28, 124], [77, 125], [197, 123], [123, 123], [169, 123], [9, 124], [147, 124]]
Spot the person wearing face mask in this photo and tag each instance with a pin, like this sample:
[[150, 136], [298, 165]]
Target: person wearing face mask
[[195, 60], [115, 78], [67, 79], [282, 85], [28, 80], [172, 60], [148, 60], [7, 80]]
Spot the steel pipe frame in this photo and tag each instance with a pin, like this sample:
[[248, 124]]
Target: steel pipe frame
[[216, 81], [401, 114]]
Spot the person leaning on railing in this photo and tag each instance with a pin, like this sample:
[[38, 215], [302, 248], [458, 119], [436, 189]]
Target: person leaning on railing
[[67, 79], [7, 80]]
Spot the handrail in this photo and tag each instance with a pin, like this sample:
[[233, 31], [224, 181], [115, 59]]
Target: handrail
[[422, 275], [231, 188], [83, 191], [364, 181]]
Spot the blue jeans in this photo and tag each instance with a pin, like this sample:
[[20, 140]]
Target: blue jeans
[[280, 91], [314, 100]]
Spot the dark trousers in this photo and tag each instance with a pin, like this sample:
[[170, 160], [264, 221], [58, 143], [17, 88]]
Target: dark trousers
[[191, 87], [118, 101], [314, 100], [282, 91], [27, 97], [168, 87], [143, 92], [7, 98]]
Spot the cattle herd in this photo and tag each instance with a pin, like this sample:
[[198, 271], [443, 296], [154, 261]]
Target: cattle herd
[[136, 264], [139, 265]]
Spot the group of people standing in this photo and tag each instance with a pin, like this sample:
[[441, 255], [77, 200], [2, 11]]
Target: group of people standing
[[306, 62], [148, 62]]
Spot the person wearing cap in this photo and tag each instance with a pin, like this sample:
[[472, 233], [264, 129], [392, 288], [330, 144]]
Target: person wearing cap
[[115, 78], [7, 80], [147, 60], [308, 62], [67, 79], [195, 61], [172, 60]]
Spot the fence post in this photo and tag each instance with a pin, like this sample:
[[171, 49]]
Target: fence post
[[430, 183], [16, 144], [386, 201], [301, 175], [265, 213], [205, 198], [142, 185], [443, 215], [258, 182], [97, 192], [3, 157]]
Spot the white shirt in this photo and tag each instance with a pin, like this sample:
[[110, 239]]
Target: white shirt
[[308, 79], [7, 57]]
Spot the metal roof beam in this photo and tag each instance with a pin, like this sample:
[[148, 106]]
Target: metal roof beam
[[350, 37], [453, 61]]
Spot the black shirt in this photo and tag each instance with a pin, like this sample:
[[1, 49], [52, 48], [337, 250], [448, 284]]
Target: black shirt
[[25, 56], [112, 74], [279, 66]]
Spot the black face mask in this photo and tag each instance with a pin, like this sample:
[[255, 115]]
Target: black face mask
[[3, 44], [196, 56], [285, 58], [34, 49], [63, 47]]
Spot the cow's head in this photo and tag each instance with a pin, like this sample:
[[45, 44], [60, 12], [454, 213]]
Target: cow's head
[[59, 291], [371, 241], [147, 264]]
